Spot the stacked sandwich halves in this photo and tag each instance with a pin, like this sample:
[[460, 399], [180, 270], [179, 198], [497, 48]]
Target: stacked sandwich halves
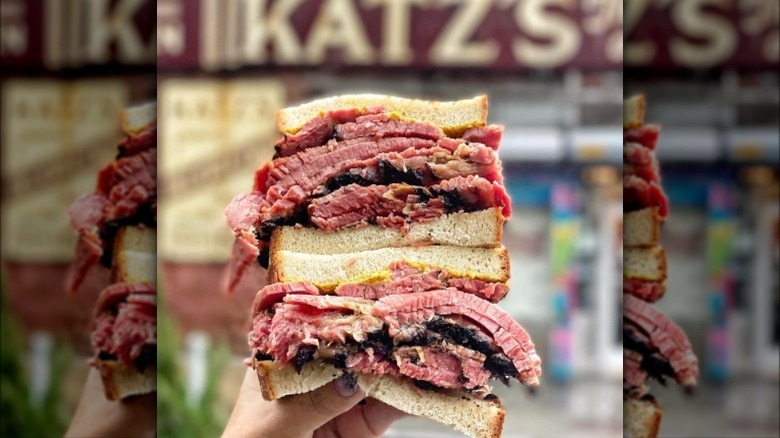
[[117, 228], [653, 345], [380, 220]]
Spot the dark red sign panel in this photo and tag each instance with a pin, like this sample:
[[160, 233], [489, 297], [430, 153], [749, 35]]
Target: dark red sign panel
[[500, 34], [702, 34], [77, 33], [482, 34]]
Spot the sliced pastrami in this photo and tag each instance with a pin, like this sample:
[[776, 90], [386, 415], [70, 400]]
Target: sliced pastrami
[[113, 295], [135, 326], [646, 135], [140, 142], [318, 130], [650, 291], [453, 368], [634, 376], [246, 250], [125, 321], [398, 205], [639, 194], [489, 135], [275, 292], [126, 194], [385, 125], [508, 334], [312, 167], [640, 162], [663, 335]]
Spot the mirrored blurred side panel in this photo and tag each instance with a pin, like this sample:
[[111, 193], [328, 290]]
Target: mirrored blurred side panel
[[71, 70], [717, 103]]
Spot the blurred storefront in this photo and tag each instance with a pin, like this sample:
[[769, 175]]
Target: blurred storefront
[[68, 68], [710, 78]]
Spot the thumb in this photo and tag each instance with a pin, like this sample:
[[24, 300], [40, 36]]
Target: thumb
[[304, 413]]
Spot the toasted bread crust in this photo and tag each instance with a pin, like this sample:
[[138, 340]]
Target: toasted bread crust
[[134, 119], [134, 255], [642, 228], [121, 381], [641, 417], [634, 111], [453, 118], [475, 417], [648, 264]]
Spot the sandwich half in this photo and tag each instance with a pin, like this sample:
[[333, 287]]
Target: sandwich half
[[125, 334], [654, 347], [117, 225], [391, 172], [380, 221]]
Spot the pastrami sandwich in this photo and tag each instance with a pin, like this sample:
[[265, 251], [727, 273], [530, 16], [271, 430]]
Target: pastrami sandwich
[[397, 169], [117, 227], [380, 222], [654, 347]]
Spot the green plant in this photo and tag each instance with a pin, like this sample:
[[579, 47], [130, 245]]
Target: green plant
[[175, 415], [19, 415]]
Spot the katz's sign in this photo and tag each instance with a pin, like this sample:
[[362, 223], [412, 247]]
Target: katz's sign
[[499, 34]]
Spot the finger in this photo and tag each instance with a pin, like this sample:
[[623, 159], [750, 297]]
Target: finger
[[370, 419], [380, 416], [303, 413]]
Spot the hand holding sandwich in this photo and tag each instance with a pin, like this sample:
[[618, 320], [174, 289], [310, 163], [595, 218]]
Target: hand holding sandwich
[[330, 411]]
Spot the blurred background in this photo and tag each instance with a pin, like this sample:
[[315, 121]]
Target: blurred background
[[709, 73], [68, 68], [552, 71]]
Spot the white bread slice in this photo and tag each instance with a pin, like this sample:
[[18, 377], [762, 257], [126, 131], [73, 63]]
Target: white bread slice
[[452, 117], [277, 380], [135, 255], [641, 228], [647, 264], [474, 229], [121, 381], [134, 119], [641, 418], [634, 111], [326, 271], [135, 260], [474, 417]]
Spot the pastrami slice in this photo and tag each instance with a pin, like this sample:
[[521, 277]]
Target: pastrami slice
[[664, 335]]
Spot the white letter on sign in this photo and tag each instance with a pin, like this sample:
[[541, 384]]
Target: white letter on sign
[[689, 17], [562, 32], [261, 28], [396, 25], [453, 46], [104, 25], [338, 26]]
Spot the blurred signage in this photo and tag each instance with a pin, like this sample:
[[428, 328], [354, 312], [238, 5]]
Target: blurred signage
[[500, 34], [702, 33], [60, 34], [56, 136], [689, 144], [600, 144], [754, 144], [214, 135]]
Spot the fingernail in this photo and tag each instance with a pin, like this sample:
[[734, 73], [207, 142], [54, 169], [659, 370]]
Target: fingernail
[[346, 385]]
